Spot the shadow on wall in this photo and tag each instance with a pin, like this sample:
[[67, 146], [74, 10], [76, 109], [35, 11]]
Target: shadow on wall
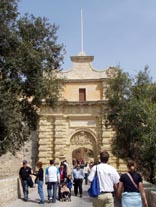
[[34, 149]]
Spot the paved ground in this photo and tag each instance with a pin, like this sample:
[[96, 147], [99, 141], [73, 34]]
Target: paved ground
[[85, 201]]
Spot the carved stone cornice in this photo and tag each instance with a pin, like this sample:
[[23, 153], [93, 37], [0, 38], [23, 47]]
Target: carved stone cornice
[[84, 59], [84, 80], [83, 103]]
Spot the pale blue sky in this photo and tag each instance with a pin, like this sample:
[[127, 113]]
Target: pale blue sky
[[116, 32]]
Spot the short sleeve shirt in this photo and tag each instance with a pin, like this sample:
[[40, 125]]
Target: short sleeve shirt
[[108, 176], [24, 172], [52, 174], [127, 183]]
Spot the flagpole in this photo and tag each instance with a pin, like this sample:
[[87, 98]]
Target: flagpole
[[81, 31]]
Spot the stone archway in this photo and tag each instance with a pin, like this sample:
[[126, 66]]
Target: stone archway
[[81, 141], [83, 153]]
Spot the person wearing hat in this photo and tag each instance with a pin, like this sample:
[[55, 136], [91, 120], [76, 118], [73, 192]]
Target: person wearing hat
[[24, 174]]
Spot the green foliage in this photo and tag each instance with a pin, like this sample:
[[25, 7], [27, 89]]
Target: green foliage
[[30, 59], [132, 103]]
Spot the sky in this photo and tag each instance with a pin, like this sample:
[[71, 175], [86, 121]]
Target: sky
[[116, 32]]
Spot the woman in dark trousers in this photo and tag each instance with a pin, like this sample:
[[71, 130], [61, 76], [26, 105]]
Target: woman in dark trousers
[[131, 189], [39, 181]]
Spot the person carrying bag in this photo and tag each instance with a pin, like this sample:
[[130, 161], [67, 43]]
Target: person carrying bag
[[131, 189], [108, 179], [94, 189]]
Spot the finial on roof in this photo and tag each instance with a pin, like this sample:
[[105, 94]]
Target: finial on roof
[[82, 53]]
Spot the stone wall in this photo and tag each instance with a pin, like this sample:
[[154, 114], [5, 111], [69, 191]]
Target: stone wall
[[151, 194], [10, 189], [10, 164]]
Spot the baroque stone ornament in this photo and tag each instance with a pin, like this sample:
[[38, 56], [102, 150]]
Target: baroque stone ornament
[[82, 138], [111, 72]]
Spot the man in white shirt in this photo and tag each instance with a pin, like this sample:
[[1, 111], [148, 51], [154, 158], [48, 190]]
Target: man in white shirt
[[108, 180], [52, 178]]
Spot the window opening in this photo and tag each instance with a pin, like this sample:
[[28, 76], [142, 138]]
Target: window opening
[[82, 94]]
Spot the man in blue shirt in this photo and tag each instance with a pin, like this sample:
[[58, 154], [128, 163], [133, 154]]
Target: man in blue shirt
[[78, 177]]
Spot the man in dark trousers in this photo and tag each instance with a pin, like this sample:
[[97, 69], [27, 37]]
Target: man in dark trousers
[[78, 179], [24, 174]]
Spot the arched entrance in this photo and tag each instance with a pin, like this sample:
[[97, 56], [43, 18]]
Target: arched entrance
[[82, 153], [83, 146]]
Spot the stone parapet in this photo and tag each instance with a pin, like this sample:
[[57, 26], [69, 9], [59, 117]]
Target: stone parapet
[[10, 164], [150, 190], [9, 189]]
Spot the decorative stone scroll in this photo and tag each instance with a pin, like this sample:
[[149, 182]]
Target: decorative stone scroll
[[82, 138], [111, 72]]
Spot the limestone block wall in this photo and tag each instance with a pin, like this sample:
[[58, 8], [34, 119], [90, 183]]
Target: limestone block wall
[[9, 189], [60, 138], [52, 139], [46, 139], [56, 128], [10, 164]]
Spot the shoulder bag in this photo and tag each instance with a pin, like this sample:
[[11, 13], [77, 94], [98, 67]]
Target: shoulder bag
[[94, 189], [132, 181]]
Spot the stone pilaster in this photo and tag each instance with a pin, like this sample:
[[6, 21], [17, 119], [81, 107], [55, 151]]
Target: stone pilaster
[[46, 139], [104, 89], [60, 138]]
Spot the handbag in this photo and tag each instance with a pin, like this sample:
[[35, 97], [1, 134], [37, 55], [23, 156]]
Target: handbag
[[94, 189], [36, 180], [30, 182]]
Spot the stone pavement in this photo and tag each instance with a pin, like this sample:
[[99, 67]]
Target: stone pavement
[[33, 200]]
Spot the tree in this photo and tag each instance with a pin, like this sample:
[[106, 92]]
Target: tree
[[132, 104], [30, 59]]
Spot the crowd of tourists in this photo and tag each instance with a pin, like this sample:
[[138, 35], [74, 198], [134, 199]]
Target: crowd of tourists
[[127, 187], [59, 182]]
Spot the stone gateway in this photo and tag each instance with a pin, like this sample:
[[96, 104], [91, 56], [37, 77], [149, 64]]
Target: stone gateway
[[76, 128]]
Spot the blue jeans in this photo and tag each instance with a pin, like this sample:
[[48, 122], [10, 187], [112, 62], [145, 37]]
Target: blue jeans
[[40, 190], [52, 186], [25, 189]]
